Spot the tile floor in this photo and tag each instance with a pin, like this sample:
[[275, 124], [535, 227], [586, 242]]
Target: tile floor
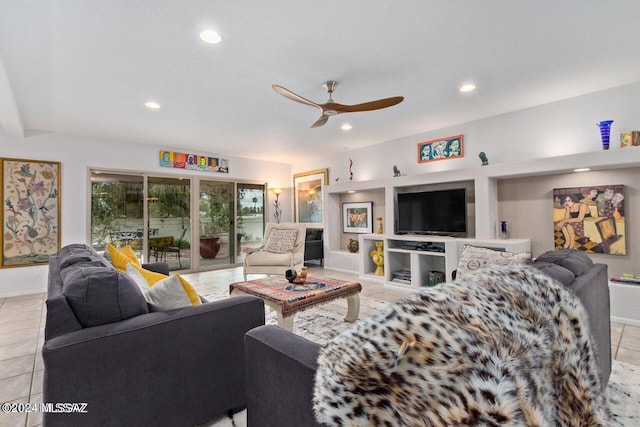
[[22, 334]]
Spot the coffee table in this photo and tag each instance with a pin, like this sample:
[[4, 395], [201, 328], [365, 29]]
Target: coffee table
[[286, 299]]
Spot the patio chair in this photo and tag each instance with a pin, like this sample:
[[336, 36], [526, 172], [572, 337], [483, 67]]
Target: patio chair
[[176, 249]]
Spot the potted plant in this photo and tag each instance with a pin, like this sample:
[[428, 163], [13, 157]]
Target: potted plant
[[215, 217]]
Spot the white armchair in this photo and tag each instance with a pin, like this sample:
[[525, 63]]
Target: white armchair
[[283, 249]]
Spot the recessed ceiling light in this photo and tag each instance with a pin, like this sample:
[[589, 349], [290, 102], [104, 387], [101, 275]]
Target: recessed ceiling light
[[468, 87], [582, 170], [351, 191], [152, 105], [210, 36], [346, 126]]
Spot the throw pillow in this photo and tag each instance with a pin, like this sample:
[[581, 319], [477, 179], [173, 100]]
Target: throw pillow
[[128, 251], [99, 295], [474, 257], [120, 259], [143, 278], [170, 293], [281, 241]]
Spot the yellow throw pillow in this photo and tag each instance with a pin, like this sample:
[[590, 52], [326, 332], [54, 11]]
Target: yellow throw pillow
[[171, 293], [144, 278], [119, 259], [128, 251]]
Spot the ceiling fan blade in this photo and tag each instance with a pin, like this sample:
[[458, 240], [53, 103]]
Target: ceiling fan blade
[[287, 93], [368, 106], [320, 122]]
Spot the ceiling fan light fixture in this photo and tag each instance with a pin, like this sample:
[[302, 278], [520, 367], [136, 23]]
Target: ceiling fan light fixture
[[332, 108], [210, 36], [467, 87]]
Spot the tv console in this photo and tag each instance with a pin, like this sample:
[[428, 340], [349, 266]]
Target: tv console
[[409, 259]]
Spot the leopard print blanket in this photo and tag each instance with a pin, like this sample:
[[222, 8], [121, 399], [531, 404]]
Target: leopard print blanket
[[503, 346]]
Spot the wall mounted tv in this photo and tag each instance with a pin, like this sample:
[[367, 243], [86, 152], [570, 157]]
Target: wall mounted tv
[[440, 212]]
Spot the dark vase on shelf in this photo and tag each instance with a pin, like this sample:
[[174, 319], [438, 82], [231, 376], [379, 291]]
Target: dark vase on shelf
[[209, 247], [353, 246]]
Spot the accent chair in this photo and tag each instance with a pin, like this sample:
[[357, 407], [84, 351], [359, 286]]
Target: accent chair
[[283, 249]]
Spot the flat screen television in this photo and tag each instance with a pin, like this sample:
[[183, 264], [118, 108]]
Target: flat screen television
[[440, 212]]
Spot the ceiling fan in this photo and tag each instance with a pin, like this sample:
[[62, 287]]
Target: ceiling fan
[[331, 108]]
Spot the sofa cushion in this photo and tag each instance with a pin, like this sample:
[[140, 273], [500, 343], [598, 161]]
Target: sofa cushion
[[78, 252], [170, 293], [558, 272], [267, 258], [101, 295], [281, 241], [474, 257], [573, 260]]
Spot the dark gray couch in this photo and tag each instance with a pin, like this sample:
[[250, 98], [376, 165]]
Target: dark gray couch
[[281, 366], [131, 366]]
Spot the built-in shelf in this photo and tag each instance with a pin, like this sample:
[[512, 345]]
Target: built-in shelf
[[483, 180], [409, 261]]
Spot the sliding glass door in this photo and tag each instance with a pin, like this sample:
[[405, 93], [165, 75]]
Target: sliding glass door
[[250, 217], [171, 224], [169, 221], [216, 223], [116, 210]]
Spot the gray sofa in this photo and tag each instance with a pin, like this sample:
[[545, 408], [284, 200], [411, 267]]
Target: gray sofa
[[135, 367], [281, 366]]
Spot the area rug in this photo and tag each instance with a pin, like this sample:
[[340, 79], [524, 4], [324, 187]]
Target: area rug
[[321, 323]]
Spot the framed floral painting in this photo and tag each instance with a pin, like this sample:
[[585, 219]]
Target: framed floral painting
[[31, 212]]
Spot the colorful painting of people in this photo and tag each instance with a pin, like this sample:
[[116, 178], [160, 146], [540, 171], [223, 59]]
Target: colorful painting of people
[[440, 149], [171, 159], [590, 219]]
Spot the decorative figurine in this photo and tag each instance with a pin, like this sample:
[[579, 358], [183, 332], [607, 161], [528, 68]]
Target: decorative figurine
[[353, 246], [380, 230], [396, 171], [377, 255], [484, 159]]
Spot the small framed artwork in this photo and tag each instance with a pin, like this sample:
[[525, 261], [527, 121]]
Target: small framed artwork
[[441, 149], [31, 212], [307, 196], [357, 217]]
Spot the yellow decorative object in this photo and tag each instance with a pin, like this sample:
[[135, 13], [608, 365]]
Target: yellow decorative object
[[378, 258]]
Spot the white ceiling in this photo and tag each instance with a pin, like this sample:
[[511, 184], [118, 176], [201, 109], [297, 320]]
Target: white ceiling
[[87, 67]]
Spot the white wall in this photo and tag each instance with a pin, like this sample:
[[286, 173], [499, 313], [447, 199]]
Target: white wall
[[564, 127], [77, 154]]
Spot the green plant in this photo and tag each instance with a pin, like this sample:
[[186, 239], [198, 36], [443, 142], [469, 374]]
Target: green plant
[[111, 201], [215, 210]]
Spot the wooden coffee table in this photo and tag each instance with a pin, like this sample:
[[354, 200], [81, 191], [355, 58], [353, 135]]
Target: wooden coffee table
[[286, 299]]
